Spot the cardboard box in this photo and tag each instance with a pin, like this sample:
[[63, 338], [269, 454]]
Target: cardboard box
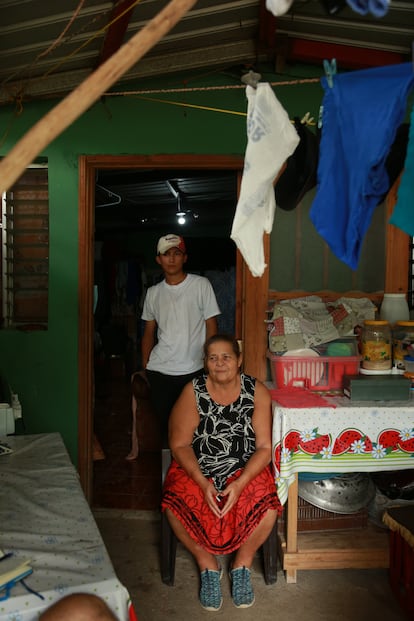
[[377, 387]]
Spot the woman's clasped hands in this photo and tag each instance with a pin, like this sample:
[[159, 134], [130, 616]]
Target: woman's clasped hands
[[222, 502]]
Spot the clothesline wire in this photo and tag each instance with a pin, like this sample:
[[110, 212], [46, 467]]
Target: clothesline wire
[[141, 95], [201, 89], [188, 105]]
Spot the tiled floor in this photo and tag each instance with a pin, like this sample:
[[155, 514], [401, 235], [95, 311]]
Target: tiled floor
[[119, 483]]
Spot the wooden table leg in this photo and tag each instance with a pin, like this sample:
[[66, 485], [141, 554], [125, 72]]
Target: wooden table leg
[[292, 526]]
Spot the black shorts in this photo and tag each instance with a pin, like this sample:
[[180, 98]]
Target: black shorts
[[165, 390]]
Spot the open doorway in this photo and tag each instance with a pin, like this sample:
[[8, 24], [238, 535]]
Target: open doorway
[[250, 292], [133, 208]]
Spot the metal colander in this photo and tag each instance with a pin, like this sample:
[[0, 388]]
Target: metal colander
[[346, 493]]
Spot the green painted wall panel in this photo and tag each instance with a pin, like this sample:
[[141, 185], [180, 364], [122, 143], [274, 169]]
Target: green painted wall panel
[[313, 266], [42, 366]]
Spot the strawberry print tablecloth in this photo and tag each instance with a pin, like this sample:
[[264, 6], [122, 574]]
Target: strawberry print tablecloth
[[343, 436], [44, 516]]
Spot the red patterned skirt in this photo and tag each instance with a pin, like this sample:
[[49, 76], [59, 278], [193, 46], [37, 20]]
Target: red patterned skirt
[[219, 536]]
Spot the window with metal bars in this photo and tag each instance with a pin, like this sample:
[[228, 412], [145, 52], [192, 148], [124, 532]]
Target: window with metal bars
[[25, 251]]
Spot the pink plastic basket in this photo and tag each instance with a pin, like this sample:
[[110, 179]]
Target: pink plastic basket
[[322, 373]]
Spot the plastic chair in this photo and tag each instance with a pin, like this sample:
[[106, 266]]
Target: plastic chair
[[169, 542]]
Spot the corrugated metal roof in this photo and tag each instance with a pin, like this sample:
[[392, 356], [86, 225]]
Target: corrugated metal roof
[[48, 48], [151, 200], [392, 33]]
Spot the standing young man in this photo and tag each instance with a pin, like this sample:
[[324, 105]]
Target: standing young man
[[180, 314]]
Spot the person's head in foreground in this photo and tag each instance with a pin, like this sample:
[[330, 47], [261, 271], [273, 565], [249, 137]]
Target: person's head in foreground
[[219, 493], [79, 607]]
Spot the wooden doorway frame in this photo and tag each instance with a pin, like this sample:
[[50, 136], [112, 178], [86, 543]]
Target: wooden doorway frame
[[251, 292]]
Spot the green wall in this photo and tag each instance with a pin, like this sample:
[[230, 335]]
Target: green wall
[[42, 366]]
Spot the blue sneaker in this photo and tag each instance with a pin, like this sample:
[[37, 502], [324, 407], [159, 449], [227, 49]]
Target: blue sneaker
[[210, 590], [241, 587]]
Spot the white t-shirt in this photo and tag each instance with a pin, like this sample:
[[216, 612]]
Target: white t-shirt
[[180, 312]]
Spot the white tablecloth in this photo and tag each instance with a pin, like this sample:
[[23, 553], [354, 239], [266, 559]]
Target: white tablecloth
[[350, 437], [44, 516]]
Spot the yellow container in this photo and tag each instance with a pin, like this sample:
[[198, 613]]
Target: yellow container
[[376, 345], [403, 337]]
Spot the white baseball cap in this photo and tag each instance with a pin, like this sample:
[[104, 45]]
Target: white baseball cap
[[170, 241]]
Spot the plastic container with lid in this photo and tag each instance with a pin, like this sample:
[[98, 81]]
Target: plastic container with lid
[[411, 378], [394, 308], [376, 346], [409, 364], [402, 337]]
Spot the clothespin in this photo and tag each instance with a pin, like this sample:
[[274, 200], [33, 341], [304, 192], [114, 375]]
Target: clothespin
[[307, 119], [330, 70], [320, 116], [251, 78]]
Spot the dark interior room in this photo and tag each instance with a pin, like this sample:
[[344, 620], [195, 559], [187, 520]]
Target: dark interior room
[[133, 209]]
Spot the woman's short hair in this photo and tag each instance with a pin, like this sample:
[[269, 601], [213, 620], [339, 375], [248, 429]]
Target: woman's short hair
[[220, 338]]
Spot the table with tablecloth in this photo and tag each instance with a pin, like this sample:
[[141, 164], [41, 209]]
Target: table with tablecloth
[[337, 436], [44, 516]]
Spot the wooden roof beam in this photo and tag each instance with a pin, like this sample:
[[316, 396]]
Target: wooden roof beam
[[266, 36], [119, 19], [347, 56]]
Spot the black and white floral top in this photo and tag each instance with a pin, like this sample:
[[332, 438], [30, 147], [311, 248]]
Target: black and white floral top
[[224, 440]]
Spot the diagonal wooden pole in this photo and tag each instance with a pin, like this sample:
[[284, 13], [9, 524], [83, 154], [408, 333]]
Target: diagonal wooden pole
[[80, 99]]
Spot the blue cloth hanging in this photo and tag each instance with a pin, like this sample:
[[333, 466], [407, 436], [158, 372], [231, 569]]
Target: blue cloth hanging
[[361, 114], [378, 8]]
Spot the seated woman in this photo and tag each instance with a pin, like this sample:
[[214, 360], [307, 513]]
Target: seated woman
[[219, 493]]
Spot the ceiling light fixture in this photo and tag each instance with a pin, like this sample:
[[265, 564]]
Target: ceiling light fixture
[[171, 188], [180, 213]]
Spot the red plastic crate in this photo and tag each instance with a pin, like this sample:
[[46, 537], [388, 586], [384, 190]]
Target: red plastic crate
[[319, 373], [401, 573]]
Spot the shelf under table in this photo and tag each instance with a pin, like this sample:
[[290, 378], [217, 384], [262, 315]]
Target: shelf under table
[[362, 548]]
